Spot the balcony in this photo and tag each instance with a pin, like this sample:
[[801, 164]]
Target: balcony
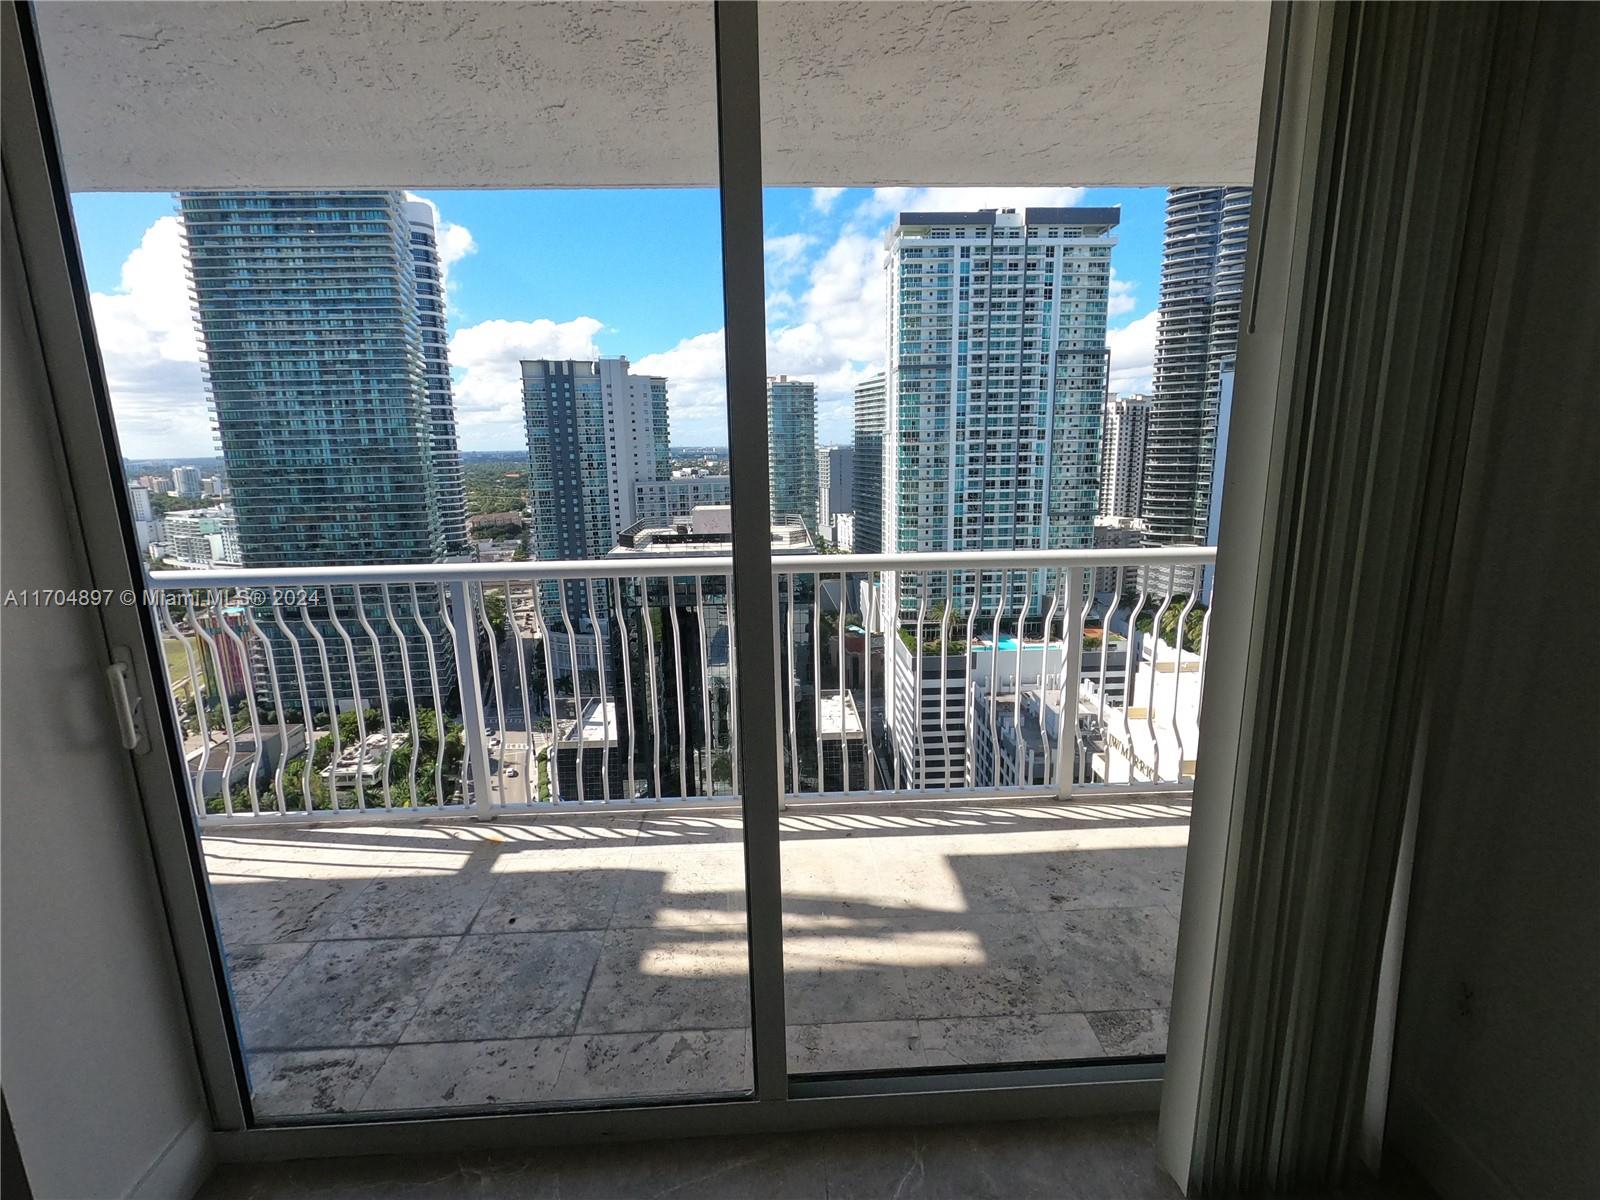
[[981, 862]]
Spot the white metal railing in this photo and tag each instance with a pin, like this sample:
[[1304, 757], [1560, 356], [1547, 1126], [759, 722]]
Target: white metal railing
[[331, 693], [1027, 673]]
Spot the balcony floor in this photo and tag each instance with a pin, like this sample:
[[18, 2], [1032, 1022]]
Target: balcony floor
[[582, 957]]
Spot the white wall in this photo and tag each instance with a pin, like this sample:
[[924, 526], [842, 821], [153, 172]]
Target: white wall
[[98, 1066], [1496, 1074]]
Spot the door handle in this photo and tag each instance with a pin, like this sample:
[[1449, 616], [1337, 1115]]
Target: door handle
[[126, 703]]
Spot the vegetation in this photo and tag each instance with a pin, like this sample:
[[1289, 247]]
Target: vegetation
[[934, 639], [496, 485], [494, 607], [161, 505], [427, 754], [1169, 623]]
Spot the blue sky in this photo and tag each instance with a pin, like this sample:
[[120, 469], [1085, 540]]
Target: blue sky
[[575, 273]]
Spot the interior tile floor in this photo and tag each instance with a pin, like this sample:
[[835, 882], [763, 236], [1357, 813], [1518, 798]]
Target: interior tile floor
[[461, 964], [1105, 1158]]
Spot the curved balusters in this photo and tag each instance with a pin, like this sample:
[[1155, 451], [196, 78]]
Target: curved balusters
[[383, 694], [791, 687], [355, 696], [307, 724], [247, 656], [868, 620], [1050, 774], [196, 694], [650, 678], [252, 784], [270, 659], [550, 686], [677, 679], [626, 645], [411, 692], [706, 756], [944, 678], [331, 705], [994, 676], [1177, 676], [1155, 683], [477, 595]]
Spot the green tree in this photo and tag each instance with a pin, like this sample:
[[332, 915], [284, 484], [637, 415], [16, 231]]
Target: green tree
[[494, 607]]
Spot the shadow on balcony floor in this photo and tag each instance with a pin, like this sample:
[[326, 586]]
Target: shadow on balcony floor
[[585, 957]]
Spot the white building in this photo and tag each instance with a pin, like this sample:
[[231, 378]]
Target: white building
[[666, 499], [186, 482], [1123, 442], [201, 537], [997, 375], [927, 710], [144, 520], [844, 531]]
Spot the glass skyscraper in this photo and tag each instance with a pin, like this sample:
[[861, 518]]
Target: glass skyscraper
[[996, 379], [1197, 335], [792, 448], [867, 482], [309, 309], [447, 472]]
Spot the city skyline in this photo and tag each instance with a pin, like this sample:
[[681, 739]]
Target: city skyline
[[508, 302]]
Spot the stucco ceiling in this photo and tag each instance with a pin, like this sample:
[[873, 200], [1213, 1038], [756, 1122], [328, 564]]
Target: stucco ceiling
[[153, 96]]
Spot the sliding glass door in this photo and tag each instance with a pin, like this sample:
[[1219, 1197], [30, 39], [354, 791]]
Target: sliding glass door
[[650, 625]]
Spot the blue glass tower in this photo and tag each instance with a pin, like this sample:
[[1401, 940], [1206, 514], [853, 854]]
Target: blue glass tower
[[314, 351]]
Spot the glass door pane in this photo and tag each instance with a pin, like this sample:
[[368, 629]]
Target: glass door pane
[[433, 488], [987, 752]]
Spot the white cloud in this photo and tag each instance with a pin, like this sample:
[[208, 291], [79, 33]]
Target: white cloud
[[1121, 299], [823, 199], [485, 361], [151, 351], [697, 388], [1133, 354], [785, 257]]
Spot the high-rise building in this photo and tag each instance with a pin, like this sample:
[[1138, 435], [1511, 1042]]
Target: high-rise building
[[997, 371], [1202, 286], [1123, 438], [868, 479], [139, 503], [792, 447], [186, 482], [835, 486], [996, 381], [595, 433], [144, 517], [448, 475], [307, 305]]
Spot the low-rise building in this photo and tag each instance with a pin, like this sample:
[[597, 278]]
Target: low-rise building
[[200, 537]]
